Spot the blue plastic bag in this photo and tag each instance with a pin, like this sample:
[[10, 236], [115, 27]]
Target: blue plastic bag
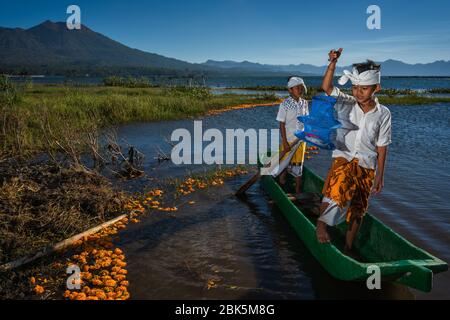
[[319, 123]]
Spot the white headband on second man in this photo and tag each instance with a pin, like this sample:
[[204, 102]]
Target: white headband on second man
[[296, 81], [366, 78]]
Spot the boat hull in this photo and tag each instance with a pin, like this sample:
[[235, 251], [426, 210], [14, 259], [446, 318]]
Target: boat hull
[[397, 259]]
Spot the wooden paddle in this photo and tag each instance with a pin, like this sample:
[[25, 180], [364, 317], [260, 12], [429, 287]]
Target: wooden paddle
[[256, 177]]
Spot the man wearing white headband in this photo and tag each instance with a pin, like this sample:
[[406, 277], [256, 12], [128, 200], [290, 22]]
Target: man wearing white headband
[[291, 108], [359, 159]]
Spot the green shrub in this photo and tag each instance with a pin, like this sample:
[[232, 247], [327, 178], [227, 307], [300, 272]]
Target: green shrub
[[129, 82], [9, 92], [200, 93]]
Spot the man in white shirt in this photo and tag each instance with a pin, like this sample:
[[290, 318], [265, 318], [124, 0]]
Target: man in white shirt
[[291, 108], [361, 147]]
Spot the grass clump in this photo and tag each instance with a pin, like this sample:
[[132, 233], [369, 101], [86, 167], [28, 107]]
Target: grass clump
[[128, 82], [412, 100], [39, 115]]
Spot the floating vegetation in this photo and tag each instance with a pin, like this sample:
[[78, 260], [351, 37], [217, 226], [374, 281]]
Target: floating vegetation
[[243, 106], [438, 90]]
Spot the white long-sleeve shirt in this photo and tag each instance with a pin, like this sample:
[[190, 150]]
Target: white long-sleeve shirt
[[362, 132]]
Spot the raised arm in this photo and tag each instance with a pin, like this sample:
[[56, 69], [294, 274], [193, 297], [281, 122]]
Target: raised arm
[[327, 83]]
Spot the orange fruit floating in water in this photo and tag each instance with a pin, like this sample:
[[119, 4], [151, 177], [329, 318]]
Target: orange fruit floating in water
[[86, 290], [111, 283], [116, 269], [81, 296], [97, 282], [120, 277], [86, 275], [111, 295]]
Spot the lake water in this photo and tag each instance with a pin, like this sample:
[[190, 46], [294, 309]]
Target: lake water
[[416, 83], [248, 248]]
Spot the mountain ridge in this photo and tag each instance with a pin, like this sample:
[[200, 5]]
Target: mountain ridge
[[390, 67], [51, 48]]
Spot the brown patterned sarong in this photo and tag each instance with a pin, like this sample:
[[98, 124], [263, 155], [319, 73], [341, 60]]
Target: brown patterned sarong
[[349, 183]]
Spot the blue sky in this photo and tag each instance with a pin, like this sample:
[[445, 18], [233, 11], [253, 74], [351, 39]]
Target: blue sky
[[265, 31]]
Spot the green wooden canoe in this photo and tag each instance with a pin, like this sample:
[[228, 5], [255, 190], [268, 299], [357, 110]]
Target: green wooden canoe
[[398, 259]]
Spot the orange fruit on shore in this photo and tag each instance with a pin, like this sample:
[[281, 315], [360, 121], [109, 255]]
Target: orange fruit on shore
[[39, 289]]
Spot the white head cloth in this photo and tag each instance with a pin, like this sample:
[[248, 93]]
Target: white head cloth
[[366, 78], [296, 81]]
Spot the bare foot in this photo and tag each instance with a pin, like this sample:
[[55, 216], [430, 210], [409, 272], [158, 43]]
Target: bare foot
[[321, 232]]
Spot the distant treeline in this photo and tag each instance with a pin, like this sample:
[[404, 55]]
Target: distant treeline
[[388, 91], [95, 71], [92, 70], [144, 82], [127, 82]]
